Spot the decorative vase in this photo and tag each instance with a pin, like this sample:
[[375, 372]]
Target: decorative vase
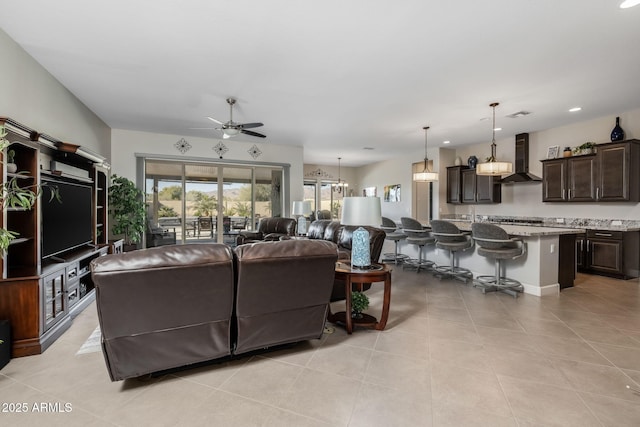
[[566, 152], [360, 254], [617, 134], [12, 167], [472, 161], [458, 161]]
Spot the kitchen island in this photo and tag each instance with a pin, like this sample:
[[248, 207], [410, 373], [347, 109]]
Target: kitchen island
[[548, 265]]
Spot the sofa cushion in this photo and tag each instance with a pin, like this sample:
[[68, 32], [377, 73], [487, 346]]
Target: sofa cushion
[[164, 307], [283, 290]]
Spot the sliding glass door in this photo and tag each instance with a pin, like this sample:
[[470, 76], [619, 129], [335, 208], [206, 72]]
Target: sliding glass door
[[202, 201]]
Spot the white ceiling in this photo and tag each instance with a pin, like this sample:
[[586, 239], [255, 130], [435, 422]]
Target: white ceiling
[[336, 76]]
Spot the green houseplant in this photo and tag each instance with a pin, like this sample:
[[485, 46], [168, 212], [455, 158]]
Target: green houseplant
[[359, 303], [586, 148], [13, 195], [127, 209]]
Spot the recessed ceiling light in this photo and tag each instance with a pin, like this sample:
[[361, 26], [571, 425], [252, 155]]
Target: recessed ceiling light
[[446, 142], [497, 129], [629, 3], [574, 109]]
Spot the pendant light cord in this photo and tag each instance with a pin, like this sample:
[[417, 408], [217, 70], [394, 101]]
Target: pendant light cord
[[493, 139], [426, 159]]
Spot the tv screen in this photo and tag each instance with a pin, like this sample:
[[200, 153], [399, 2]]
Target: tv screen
[[68, 223]]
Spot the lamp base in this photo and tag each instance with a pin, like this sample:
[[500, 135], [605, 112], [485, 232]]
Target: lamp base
[[366, 267]]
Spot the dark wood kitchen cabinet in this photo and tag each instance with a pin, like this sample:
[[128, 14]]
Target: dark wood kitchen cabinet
[[464, 186], [610, 253], [612, 174]]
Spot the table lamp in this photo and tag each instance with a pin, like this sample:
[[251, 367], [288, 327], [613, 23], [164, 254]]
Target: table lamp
[[361, 211], [300, 210]]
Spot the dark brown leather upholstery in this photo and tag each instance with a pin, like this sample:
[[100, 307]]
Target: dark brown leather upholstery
[[164, 307], [172, 306], [269, 229], [282, 291]]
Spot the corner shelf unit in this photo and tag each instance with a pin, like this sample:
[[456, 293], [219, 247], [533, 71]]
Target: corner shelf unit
[[39, 296]]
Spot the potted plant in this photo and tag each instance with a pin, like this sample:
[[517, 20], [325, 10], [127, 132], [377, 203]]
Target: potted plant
[[586, 148], [11, 166], [359, 303], [127, 209]]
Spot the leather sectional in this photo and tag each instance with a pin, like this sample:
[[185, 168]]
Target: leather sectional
[[172, 306]]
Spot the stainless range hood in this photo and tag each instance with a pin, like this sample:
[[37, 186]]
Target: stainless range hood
[[522, 162]]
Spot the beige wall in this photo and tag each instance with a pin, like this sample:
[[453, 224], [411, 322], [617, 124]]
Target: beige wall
[[33, 97]]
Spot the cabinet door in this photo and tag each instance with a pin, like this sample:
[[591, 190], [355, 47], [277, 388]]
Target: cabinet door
[[581, 250], [469, 186], [488, 189], [605, 256], [454, 185], [54, 298], [613, 182], [581, 178], [553, 180]]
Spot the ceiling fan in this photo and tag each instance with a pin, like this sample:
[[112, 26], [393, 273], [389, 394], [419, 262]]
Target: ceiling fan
[[231, 128]]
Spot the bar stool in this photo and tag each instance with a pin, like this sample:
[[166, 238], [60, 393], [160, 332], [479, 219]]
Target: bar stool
[[493, 242], [449, 237], [417, 235], [390, 228]]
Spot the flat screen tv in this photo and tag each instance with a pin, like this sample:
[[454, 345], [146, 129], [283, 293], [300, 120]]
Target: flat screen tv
[[66, 224]]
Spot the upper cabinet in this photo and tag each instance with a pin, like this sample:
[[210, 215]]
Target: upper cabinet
[[610, 175], [464, 186]]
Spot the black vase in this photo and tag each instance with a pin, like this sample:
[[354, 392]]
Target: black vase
[[617, 134], [472, 161]]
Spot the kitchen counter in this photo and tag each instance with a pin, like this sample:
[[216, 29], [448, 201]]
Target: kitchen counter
[[526, 230], [548, 265]]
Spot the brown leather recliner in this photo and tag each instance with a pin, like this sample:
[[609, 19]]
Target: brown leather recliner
[[164, 307], [269, 229], [282, 292]]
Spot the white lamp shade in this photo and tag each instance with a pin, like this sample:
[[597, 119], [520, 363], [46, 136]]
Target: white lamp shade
[[362, 211], [425, 176], [301, 207], [494, 168]]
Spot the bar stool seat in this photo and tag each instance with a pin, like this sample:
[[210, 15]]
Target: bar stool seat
[[494, 243], [417, 235], [391, 230], [449, 237]]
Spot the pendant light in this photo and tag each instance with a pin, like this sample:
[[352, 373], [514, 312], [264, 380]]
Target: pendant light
[[426, 175], [340, 186], [492, 166]]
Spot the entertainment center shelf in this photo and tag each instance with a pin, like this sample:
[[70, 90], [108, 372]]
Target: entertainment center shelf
[[46, 278]]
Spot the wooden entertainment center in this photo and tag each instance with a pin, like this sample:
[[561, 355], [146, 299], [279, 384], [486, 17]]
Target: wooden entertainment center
[[40, 295]]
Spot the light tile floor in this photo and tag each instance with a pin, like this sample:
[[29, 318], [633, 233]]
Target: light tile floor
[[450, 356]]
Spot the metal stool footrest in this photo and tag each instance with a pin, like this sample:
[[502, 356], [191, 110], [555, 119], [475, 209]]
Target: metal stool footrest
[[424, 264], [504, 284], [395, 258], [459, 273]]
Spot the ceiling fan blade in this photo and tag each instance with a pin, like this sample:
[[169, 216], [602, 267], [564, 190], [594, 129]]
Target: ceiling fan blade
[[215, 121], [248, 132], [205, 128], [251, 125]]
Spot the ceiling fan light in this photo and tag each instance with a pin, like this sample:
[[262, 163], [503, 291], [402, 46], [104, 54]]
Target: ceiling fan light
[[231, 131]]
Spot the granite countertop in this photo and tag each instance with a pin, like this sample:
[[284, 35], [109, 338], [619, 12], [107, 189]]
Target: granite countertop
[[581, 224], [526, 230]]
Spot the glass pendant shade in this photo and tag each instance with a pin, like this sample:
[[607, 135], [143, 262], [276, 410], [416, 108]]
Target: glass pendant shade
[[492, 166], [426, 175]]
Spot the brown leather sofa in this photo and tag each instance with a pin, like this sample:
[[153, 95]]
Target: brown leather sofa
[[269, 229], [173, 306], [341, 235]]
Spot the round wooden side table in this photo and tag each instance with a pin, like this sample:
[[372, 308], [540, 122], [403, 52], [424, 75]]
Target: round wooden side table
[[351, 275]]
